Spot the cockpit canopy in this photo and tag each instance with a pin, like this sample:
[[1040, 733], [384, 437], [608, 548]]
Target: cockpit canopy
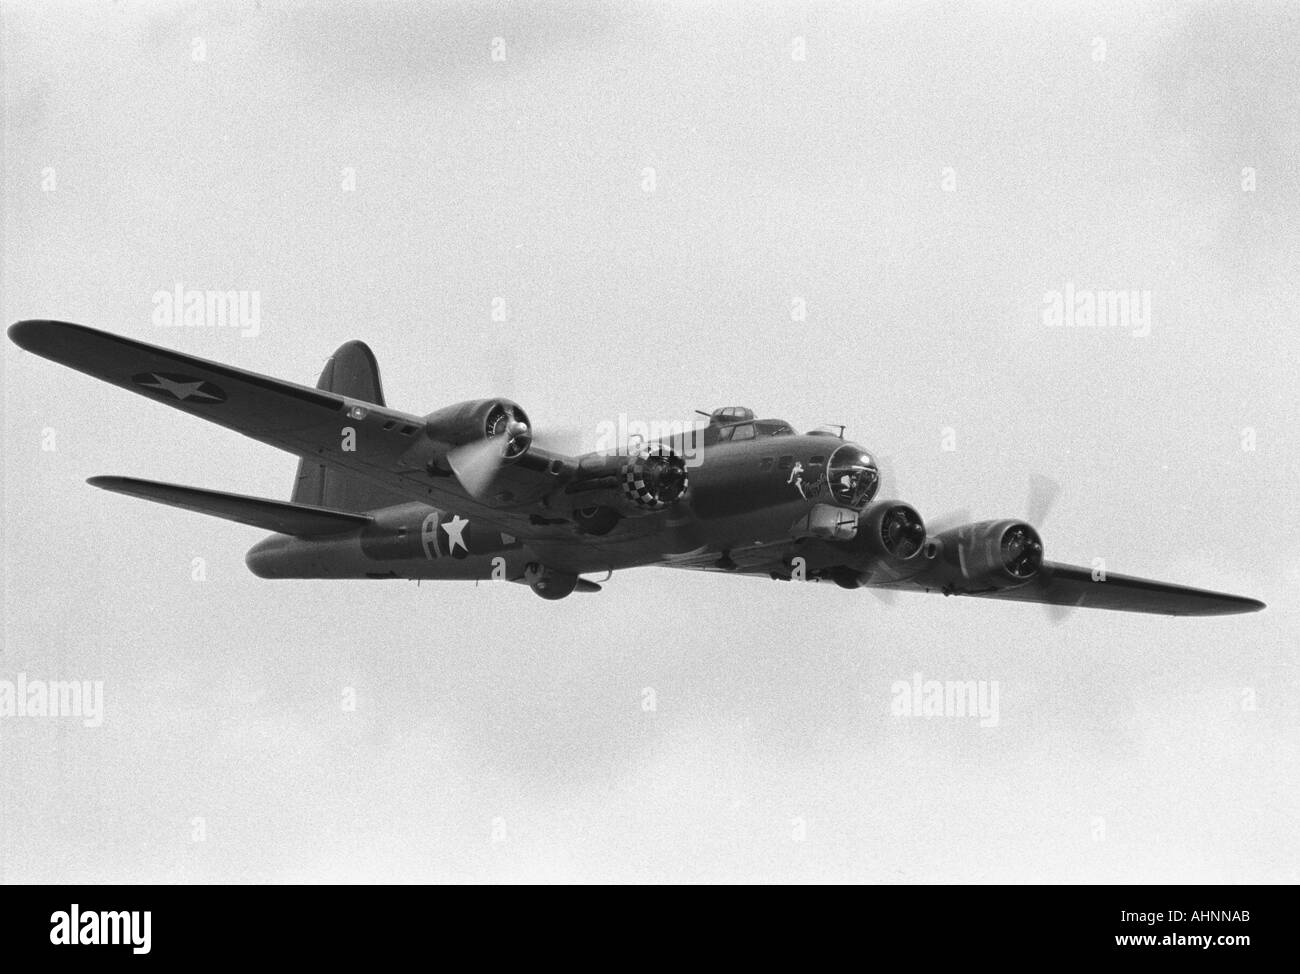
[[731, 424]]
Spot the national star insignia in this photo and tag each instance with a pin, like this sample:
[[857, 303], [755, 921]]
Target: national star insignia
[[181, 390], [455, 529]]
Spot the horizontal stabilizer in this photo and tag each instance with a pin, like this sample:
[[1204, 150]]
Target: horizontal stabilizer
[[301, 520]]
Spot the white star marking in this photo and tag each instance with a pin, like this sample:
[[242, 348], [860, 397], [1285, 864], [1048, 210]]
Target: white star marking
[[455, 529], [181, 390]]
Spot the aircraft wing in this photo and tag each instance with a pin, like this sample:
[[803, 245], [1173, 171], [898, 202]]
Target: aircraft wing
[[1056, 584], [1069, 585], [389, 449]]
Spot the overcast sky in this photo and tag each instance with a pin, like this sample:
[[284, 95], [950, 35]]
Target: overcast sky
[[650, 193]]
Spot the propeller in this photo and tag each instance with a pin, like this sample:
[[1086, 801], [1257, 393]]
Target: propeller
[[889, 487], [1056, 614], [1043, 492], [513, 427], [885, 470], [569, 441], [885, 596], [948, 520], [475, 464]]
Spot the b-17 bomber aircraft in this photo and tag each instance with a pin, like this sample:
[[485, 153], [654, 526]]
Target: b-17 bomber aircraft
[[465, 493]]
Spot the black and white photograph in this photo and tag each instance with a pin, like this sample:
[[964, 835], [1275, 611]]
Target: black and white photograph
[[651, 443]]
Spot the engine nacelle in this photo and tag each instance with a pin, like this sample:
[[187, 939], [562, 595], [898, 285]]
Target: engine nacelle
[[990, 554], [611, 486], [479, 419], [892, 530], [654, 477]]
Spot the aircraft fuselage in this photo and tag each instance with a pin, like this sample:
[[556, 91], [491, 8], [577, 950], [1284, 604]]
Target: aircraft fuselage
[[753, 496]]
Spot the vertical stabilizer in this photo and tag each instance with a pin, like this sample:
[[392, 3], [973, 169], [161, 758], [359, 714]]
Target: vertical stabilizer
[[352, 371]]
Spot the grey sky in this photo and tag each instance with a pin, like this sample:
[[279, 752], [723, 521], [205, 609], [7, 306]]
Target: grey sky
[[775, 180]]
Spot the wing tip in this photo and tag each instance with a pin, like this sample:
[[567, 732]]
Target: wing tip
[[1227, 605], [34, 334], [110, 481], [24, 333]]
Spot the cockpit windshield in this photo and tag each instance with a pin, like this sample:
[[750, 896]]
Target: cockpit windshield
[[853, 476]]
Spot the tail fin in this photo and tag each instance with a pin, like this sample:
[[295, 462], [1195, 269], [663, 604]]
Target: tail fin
[[352, 371]]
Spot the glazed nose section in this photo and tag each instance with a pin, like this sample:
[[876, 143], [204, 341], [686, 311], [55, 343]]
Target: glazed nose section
[[853, 476]]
